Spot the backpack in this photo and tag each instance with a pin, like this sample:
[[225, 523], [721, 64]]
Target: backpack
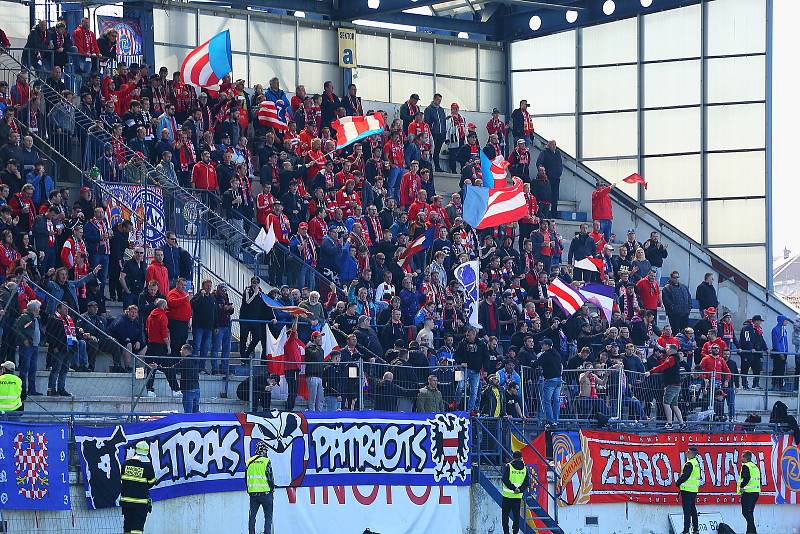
[[723, 528]]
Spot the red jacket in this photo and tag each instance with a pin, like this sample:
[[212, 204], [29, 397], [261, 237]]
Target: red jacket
[[178, 306], [649, 298], [158, 272], [664, 341], [157, 326], [711, 364], [293, 352], [204, 176], [85, 41], [706, 350], [601, 204], [409, 187]]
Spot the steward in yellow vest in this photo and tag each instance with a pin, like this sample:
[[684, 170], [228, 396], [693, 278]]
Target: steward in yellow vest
[[10, 388], [689, 485], [516, 481], [749, 487], [260, 487]]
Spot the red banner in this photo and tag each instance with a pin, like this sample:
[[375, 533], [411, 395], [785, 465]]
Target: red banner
[[618, 467]]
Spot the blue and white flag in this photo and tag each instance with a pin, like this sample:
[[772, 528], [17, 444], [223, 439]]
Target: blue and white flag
[[468, 275], [600, 295]]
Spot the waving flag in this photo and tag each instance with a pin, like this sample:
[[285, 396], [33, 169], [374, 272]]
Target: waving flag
[[566, 296], [588, 263], [468, 275], [268, 116], [352, 129], [488, 207], [492, 170], [420, 243], [206, 65], [601, 295], [635, 178], [329, 343]]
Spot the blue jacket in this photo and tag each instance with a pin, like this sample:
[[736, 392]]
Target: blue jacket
[[436, 119], [348, 268], [411, 153], [123, 329], [780, 337], [42, 186], [58, 294]]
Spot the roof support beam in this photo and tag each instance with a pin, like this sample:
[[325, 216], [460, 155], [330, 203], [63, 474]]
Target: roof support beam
[[358, 9], [439, 23]]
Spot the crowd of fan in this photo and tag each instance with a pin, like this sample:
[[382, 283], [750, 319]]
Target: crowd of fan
[[346, 216]]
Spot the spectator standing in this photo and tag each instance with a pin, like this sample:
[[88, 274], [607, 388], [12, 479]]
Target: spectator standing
[[751, 349], [655, 252], [29, 334], [550, 159], [705, 293], [157, 272], [314, 359], [97, 235], [733, 384], [472, 354], [127, 331], [650, 292], [62, 337], [132, 277], [671, 367], [189, 370], [550, 362], [677, 302], [429, 399], [293, 357], [602, 210], [436, 118], [204, 317], [221, 340], [179, 313], [522, 124], [780, 350], [159, 347]]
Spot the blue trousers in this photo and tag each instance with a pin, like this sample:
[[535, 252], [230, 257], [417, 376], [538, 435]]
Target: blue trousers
[[202, 345]]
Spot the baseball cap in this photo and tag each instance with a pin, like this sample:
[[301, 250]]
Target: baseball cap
[[520, 141], [495, 110], [91, 303], [546, 341], [317, 333], [303, 225]]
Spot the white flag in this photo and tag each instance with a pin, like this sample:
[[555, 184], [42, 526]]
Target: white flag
[[328, 341], [266, 239]]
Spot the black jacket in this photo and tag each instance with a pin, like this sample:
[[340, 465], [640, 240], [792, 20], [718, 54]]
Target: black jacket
[[550, 362], [492, 402], [551, 161], [581, 246], [474, 354], [706, 296], [204, 311]]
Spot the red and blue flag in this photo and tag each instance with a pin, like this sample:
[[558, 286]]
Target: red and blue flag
[[206, 65], [352, 129], [492, 170], [486, 207]]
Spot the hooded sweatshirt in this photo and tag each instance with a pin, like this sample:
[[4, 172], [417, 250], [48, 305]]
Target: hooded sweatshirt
[[780, 336], [158, 272], [157, 326]]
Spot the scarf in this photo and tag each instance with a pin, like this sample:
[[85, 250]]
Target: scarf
[[69, 328], [460, 123], [186, 155], [77, 274], [58, 40], [527, 123], [630, 303], [355, 105], [496, 126], [103, 247], [727, 331], [412, 108]]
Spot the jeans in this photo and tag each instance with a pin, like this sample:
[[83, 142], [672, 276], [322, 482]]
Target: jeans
[[474, 379], [605, 227], [221, 351], [730, 399], [438, 141], [393, 185], [260, 500], [306, 276], [58, 373], [316, 394], [202, 345], [100, 259], [332, 404], [291, 376], [28, 365], [81, 356], [191, 401], [551, 405]]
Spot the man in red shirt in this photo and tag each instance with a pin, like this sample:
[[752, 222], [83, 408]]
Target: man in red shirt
[[158, 271], [601, 208], [420, 204], [85, 41], [713, 341], [410, 186], [649, 292], [713, 362], [158, 348], [204, 174], [179, 313]]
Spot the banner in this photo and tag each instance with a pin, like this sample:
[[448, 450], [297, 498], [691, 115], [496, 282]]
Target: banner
[[347, 48], [34, 467], [148, 204], [206, 453], [129, 43], [604, 467], [468, 275]]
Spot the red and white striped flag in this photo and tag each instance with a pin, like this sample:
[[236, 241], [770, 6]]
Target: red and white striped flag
[[566, 296], [352, 129], [268, 116]]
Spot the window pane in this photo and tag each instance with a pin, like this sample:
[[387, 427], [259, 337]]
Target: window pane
[[316, 43], [373, 84], [456, 60], [264, 68], [493, 65], [672, 130], [672, 84], [562, 129], [736, 221], [239, 65], [613, 170], [211, 25], [174, 27], [372, 50], [556, 50], [414, 56], [493, 96], [672, 34], [170, 56], [734, 127], [272, 39], [736, 174], [546, 91], [685, 216], [609, 88], [609, 134], [313, 75], [736, 79], [614, 42], [672, 177], [461, 91], [404, 85], [736, 27], [750, 260]]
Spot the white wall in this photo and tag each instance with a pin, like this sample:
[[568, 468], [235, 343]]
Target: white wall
[[15, 22]]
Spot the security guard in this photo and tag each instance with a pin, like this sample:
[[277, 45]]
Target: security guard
[[515, 482], [10, 389], [260, 485], [749, 487], [138, 477], [689, 484]]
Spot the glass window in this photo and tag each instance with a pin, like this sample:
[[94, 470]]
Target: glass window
[[404, 85], [493, 65], [211, 25], [750, 260], [414, 56], [562, 129], [271, 39], [670, 131], [373, 84], [546, 91], [170, 56], [456, 60], [675, 83], [461, 91], [493, 96], [685, 216], [736, 174], [736, 127], [173, 27], [672, 177], [316, 43], [240, 68], [556, 50], [613, 170], [614, 42], [609, 134], [736, 27], [314, 75], [672, 34], [372, 50], [736, 79], [609, 88], [736, 221], [264, 68]]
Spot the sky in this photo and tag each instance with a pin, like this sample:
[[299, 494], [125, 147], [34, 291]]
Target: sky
[[785, 121]]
